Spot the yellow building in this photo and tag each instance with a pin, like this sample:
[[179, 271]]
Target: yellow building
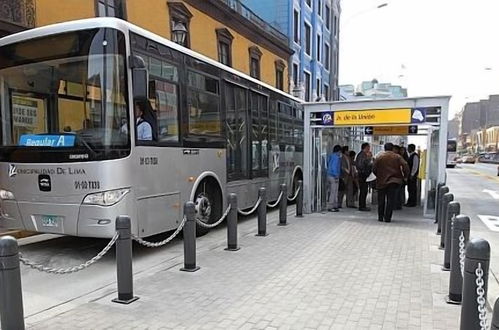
[[224, 30]]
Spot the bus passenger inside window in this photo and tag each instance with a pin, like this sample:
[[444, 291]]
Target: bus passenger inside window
[[143, 118]]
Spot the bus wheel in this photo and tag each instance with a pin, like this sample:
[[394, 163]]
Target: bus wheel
[[208, 202]]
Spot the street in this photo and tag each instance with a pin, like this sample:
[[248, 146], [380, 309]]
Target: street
[[476, 187]]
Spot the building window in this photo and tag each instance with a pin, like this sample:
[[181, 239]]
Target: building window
[[319, 48], [335, 26], [318, 89], [180, 16], [307, 86], [309, 3], [111, 8], [308, 39], [255, 56], [328, 17], [224, 40], [319, 8], [326, 92], [295, 74], [327, 56], [279, 74], [296, 26]]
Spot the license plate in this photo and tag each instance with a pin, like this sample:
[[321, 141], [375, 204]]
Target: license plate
[[50, 221]]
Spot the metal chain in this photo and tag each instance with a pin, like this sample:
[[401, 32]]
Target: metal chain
[[213, 225], [277, 202], [69, 270], [296, 195], [258, 202], [482, 312], [163, 242], [461, 252]]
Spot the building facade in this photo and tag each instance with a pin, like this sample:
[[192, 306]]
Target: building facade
[[372, 89], [16, 16], [479, 125], [313, 30], [224, 30]]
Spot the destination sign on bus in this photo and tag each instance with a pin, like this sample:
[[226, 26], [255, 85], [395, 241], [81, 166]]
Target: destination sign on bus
[[56, 141]]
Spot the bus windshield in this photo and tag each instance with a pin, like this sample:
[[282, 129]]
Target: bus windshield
[[64, 98]]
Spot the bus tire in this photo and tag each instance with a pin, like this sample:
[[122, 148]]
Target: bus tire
[[208, 201]]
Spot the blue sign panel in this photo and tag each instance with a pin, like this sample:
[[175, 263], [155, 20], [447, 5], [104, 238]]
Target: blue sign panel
[[418, 115], [327, 118], [56, 141]]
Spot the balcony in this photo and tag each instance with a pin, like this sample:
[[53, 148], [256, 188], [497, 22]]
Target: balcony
[[20, 13], [244, 11]]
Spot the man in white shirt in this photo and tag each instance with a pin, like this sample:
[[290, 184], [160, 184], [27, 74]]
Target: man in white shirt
[[144, 129], [412, 183]]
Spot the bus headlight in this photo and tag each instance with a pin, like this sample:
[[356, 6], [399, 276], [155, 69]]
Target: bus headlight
[[106, 198], [5, 194]]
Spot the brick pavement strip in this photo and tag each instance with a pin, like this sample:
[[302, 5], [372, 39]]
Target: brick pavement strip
[[341, 271]]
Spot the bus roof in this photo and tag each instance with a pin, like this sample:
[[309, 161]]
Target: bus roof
[[115, 23]]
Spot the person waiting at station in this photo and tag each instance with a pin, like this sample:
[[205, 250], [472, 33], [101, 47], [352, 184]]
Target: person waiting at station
[[354, 190], [412, 182], [401, 197], [144, 128], [333, 177], [364, 165], [390, 170], [346, 179]]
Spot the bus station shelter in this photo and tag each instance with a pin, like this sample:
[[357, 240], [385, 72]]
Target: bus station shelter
[[350, 122]]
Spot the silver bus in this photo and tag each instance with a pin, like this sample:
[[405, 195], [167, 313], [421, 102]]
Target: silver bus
[[101, 118]]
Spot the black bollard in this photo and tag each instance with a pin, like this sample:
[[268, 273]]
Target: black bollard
[[437, 200], [453, 209], [299, 200], [477, 253], [189, 233], [444, 190], [262, 212], [232, 224], [494, 325], [11, 295], [446, 199], [124, 270], [283, 205], [460, 226]]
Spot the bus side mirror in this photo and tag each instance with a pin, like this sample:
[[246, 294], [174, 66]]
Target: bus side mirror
[[140, 78]]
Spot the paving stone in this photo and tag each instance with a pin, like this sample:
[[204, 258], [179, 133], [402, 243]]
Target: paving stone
[[325, 271]]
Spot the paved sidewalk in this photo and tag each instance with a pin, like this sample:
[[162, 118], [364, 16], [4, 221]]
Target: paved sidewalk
[[325, 271]]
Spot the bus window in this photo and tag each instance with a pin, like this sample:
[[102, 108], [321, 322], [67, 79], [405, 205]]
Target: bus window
[[203, 105], [259, 135]]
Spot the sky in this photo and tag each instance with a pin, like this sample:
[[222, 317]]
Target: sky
[[431, 47]]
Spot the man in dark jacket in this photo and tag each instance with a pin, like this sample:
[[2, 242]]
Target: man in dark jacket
[[364, 165], [412, 183], [390, 170]]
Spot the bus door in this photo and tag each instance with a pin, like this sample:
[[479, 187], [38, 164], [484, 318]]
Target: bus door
[[236, 124]]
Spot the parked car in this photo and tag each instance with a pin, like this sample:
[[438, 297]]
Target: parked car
[[491, 157], [468, 159]]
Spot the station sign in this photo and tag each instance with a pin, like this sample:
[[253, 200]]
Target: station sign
[[391, 130], [374, 117]]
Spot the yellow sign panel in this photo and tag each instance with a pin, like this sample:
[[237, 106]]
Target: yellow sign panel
[[373, 117], [391, 130]]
